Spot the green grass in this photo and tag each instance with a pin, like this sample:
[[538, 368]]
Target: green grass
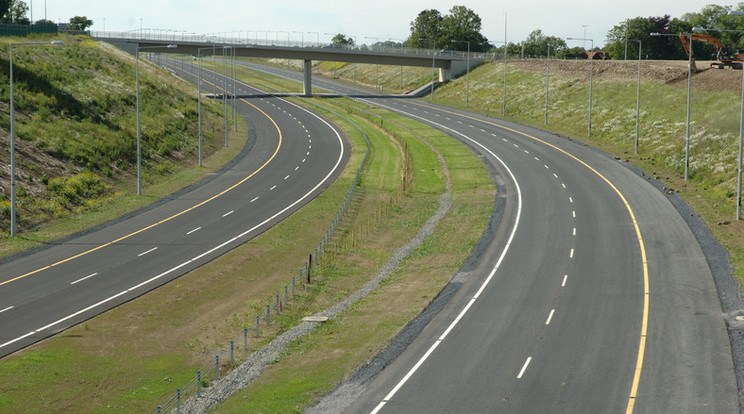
[[314, 365], [199, 321], [75, 118]]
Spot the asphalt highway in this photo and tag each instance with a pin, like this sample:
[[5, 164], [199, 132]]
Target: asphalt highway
[[592, 294], [294, 154]]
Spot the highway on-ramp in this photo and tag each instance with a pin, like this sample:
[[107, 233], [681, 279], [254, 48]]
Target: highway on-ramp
[[592, 294], [293, 155]]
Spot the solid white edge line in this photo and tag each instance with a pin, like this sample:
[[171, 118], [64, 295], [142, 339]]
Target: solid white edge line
[[338, 162], [81, 279], [524, 367], [490, 275]]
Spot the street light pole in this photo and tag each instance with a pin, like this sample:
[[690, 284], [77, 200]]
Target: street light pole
[[591, 80], [13, 213], [741, 121], [638, 97], [689, 88], [547, 83], [139, 150]]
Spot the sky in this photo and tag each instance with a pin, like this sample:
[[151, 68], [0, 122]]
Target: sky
[[366, 21]]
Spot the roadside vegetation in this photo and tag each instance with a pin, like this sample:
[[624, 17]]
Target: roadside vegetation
[[76, 142], [714, 127], [133, 358]]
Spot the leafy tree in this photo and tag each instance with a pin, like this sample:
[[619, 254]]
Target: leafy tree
[[425, 29], [17, 12], [537, 44], [342, 40], [577, 52], [638, 28], [461, 26], [455, 30], [80, 23]]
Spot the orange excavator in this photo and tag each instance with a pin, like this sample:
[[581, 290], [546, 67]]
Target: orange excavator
[[726, 55]]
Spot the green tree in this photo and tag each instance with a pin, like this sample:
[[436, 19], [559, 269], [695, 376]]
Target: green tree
[[460, 26], [537, 44], [17, 13], [638, 28], [426, 30], [80, 23], [577, 52], [342, 40]]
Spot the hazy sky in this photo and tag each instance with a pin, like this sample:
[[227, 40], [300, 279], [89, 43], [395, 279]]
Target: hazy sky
[[364, 20]]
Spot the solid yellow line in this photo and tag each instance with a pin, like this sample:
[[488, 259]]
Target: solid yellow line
[[276, 151], [644, 322]]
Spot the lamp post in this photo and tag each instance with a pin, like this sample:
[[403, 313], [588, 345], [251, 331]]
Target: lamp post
[[377, 77], [689, 87], [591, 73], [302, 43], [139, 152], [638, 95], [547, 83], [198, 53], [467, 74], [741, 119], [13, 214], [506, 45]]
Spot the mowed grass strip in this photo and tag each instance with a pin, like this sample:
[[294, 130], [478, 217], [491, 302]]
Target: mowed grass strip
[[314, 365]]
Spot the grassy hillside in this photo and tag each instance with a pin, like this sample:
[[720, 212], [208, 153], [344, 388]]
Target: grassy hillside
[[76, 128], [714, 127]]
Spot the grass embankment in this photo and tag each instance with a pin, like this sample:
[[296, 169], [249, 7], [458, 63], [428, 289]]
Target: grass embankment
[[711, 187], [134, 357], [76, 142]]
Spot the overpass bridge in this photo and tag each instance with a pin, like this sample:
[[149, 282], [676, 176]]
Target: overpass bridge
[[449, 63]]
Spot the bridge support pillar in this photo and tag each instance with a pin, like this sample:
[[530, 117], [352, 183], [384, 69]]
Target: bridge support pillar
[[308, 78]]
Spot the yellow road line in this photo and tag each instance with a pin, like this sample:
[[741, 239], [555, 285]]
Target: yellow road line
[[644, 322], [276, 151]]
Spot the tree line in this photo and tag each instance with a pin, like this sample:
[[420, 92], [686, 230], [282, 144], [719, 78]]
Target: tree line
[[16, 12], [460, 29]]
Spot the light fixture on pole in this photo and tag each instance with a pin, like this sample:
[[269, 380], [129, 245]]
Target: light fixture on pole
[[638, 96], [547, 83], [13, 213], [198, 54], [139, 148], [591, 73], [467, 74], [689, 87], [741, 120]]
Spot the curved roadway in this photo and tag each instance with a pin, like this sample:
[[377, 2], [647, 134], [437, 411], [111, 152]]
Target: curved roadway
[[294, 154], [561, 314]]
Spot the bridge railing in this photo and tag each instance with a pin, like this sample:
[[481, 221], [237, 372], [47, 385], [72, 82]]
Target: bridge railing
[[166, 35]]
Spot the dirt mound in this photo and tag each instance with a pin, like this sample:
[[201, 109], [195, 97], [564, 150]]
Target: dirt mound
[[664, 71]]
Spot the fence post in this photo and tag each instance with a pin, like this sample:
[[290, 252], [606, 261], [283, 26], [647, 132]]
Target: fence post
[[286, 289], [309, 267], [258, 322], [268, 315], [217, 367], [245, 339], [232, 353], [293, 286], [159, 408], [198, 384], [178, 401]]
